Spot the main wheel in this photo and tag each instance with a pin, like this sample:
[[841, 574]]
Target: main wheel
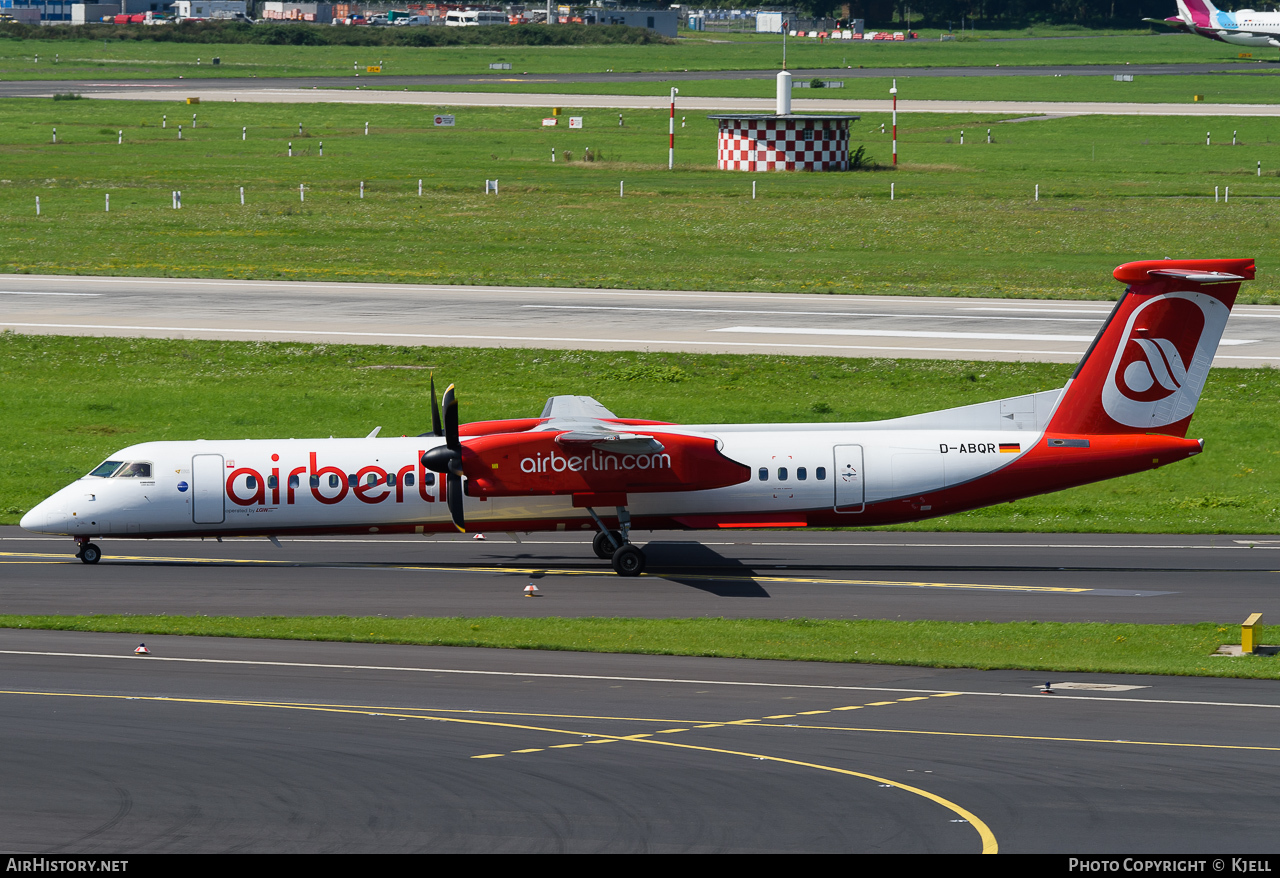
[[628, 561], [602, 547], [90, 554]]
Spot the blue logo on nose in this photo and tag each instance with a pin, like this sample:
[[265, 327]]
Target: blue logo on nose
[[182, 487]]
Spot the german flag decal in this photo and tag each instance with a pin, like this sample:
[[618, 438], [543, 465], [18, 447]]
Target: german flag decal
[[1010, 448]]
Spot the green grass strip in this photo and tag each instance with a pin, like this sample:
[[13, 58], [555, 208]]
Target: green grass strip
[[1182, 650]]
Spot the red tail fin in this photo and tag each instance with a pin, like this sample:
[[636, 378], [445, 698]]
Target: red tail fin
[[1146, 369]]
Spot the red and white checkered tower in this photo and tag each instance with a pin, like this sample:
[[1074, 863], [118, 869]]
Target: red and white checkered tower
[[783, 141]]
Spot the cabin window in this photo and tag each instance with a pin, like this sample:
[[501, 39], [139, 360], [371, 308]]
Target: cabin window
[[273, 482], [764, 474], [801, 473], [408, 480], [293, 481], [106, 468], [820, 474], [250, 482], [428, 479], [391, 479], [352, 481], [315, 481], [782, 473], [334, 481]]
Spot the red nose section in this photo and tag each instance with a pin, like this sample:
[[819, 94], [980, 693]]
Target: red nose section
[[524, 464]]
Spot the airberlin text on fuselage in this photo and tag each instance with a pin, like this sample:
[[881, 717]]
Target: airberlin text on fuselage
[[594, 462], [377, 492]]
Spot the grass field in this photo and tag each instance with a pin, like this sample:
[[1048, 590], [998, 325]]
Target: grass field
[[68, 403], [115, 59], [964, 222], [1184, 650]]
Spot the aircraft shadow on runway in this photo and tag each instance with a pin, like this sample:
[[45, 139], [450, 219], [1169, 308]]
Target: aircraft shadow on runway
[[697, 566]]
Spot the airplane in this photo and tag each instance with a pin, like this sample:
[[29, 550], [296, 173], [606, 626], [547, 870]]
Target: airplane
[[579, 468], [1244, 27]]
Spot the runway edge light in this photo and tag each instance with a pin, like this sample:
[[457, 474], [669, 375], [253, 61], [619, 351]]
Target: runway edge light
[[142, 650]]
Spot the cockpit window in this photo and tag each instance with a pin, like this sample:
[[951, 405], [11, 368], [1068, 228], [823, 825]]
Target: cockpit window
[[105, 470], [134, 471]]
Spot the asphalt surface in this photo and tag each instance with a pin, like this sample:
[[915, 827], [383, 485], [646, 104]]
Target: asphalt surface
[[1139, 578], [260, 746], [702, 322], [41, 88]]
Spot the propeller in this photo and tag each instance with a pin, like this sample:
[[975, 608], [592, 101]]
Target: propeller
[[447, 459], [435, 411]]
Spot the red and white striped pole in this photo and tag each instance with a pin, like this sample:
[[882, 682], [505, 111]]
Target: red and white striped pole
[[894, 91], [671, 130]]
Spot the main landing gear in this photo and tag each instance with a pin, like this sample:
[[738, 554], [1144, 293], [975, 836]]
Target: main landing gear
[[615, 545], [88, 552]]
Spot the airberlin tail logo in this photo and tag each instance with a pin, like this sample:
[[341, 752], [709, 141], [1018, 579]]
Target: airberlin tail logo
[[1163, 359]]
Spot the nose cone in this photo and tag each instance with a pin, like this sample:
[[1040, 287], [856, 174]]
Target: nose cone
[[36, 519]]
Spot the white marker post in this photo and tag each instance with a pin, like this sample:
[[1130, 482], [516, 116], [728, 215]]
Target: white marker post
[[1226, 195], [290, 149], [962, 137], [121, 137], [1233, 138], [55, 135], [619, 120], [419, 187], [322, 149], [302, 195], [1206, 138], [671, 130], [362, 188], [179, 132], [164, 121], [1037, 192], [1259, 167], [108, 207], [193, 120], [553, 155], [1215, 194], [37, 205], [988, 135], [244, 133], [299, 129], [174, 196], [891, 192], [620, 190], [753, 190], [242, 195], [893, 91], [366, 129]]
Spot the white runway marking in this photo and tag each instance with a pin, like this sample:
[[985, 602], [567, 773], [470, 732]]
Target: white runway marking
[[900, 314], [321, 665], [906, 333], [21, 293]]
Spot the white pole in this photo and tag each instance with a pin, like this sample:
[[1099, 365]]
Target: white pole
[[302, 195], [121, 135], [179, 199], [244, 133], [174, 196], [55, 135], [671, 130], [553, 155], [753, 190], [1233, 138], [242, 195], [366, 129], [1259, 167], [1037, 192], [1226, 195], [193, 120], [962, 137], [362, 188], [322, 149], [299, 129], [108, 208], [988, 135], [619, 120], [891, 192], [894, 92], [1215, 194], [620, 188], [37, 205], [290, 149], [1206, 138], [419, 187], [179, 132], [164, 123]]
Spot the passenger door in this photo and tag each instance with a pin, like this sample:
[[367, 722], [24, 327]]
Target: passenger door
[[207, 494], [849, 478]]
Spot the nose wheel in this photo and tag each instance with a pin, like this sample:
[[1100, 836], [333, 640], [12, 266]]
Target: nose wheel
[[89, 553], [606, 543]]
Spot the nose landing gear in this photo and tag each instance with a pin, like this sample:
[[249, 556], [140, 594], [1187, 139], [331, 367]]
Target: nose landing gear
[[88, 553]]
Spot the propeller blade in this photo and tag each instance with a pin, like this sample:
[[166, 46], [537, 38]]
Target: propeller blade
[[435, 410], [453, 496], [451, 420]]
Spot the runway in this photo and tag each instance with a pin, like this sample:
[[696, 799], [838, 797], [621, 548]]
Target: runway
[[258, 746], [592, 319], [1140, 578]]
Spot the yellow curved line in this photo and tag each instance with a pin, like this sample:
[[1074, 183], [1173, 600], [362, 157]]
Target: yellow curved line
[[989, 843]]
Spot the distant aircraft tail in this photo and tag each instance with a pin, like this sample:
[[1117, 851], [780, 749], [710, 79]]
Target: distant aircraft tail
[[1197, 12], [1145, 370]]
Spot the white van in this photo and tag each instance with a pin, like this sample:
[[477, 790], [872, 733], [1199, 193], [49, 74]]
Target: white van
[[474, 17]]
